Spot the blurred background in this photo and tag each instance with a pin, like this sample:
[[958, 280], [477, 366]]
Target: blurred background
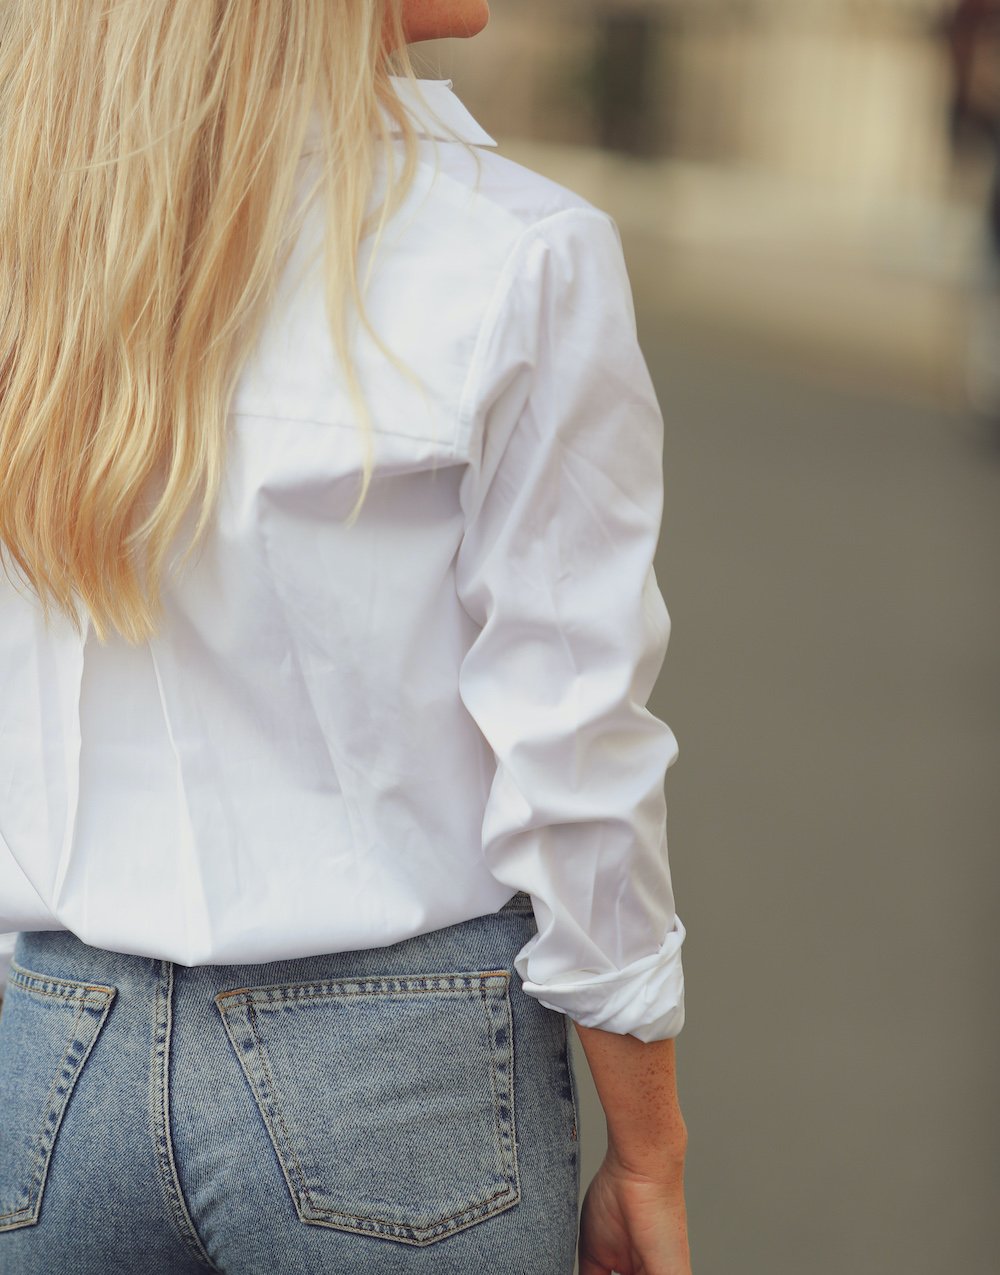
[[807, 194]]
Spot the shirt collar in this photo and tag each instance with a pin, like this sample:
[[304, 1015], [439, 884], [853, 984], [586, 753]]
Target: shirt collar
[[435, 110]]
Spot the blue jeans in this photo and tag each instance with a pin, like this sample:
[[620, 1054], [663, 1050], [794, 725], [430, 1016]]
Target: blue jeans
[[399, 1109]]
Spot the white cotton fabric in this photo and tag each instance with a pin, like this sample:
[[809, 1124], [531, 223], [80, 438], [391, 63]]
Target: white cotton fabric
[[343, 737]]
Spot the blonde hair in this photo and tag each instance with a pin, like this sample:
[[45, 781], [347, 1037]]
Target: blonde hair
[[149, 154]]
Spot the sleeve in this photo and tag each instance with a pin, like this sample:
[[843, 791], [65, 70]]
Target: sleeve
[[563, 505]]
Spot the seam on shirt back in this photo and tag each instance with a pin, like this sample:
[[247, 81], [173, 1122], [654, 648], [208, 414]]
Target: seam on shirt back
[[461, 438], [330, 424]]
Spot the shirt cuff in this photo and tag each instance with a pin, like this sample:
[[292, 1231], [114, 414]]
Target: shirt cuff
[[645, 999]]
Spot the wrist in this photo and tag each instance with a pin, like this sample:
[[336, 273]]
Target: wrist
[[661, 1163], [636, 1083]]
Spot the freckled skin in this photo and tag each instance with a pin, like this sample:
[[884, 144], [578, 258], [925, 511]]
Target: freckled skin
[[637, 1084], [441, 19]]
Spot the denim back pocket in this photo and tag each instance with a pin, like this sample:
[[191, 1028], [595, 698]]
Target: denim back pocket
[[47, 1030], [389, 1100]]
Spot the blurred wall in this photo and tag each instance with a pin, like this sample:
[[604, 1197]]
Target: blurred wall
[[805, 253], [782, 168], [831, 91]]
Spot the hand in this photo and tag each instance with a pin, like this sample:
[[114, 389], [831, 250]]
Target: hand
[[634, 1223]]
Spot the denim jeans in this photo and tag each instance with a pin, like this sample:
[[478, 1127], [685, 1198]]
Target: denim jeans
[[398, 1109]]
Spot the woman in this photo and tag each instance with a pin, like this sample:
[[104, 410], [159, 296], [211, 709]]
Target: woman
[[282, 813]]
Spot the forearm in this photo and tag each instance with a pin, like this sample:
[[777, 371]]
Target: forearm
[[637, 1084]]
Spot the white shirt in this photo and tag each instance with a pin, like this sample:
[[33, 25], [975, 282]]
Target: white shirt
[[343, 737]]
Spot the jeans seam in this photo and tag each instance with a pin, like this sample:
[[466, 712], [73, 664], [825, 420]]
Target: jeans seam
[[160, 1111], [492, 1031], [574, 1097], [508, 1013]]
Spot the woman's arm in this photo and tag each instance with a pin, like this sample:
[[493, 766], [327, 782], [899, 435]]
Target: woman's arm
[[562, 515], [637, 1085]]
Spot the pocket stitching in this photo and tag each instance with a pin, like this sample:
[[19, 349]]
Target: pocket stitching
[[513, 1162], [507, 1141], [509, 1195], [45, 1138], [275, 996], [27, 979], [273, 1104], [40, 1136]]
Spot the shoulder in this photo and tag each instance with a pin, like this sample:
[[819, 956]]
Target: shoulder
[[510, 248], [483, 213], [505, 204], [479, 234], [523, 194], [463, 162]]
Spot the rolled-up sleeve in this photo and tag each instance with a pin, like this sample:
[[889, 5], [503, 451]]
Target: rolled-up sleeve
[[563, 507]]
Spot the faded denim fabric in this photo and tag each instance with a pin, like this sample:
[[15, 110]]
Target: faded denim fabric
[[399, 1109]]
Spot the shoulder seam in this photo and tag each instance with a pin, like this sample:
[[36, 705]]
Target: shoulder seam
[[488, 323]]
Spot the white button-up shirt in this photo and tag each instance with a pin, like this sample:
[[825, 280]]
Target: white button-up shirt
[[343, 737]]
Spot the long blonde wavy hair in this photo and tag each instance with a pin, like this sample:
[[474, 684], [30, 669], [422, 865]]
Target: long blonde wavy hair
[[148, 173]]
